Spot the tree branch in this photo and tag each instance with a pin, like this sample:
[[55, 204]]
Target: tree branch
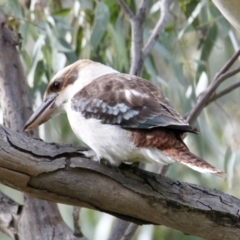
[[43, 222], [137, 24], [130, 231], [224, 92], [206, 95], [228, 64], [126, 9], [60, 174], [138, 52], [9, 215], [76, 223], [123, 230], [39, 219], [165, 4]]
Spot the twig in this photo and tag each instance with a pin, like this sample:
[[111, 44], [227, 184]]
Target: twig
[[158, 28], [207, 94], [224, 92], [126, 9], [228, 64]]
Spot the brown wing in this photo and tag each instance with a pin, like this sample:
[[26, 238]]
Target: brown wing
[[128, 101]]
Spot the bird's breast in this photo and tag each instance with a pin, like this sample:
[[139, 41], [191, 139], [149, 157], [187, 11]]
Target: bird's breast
[[108, 141]]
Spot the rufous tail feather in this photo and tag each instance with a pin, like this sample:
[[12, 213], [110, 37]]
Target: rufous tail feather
[[184, 156]]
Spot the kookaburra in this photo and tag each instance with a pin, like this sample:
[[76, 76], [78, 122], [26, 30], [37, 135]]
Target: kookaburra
[[121, 117]]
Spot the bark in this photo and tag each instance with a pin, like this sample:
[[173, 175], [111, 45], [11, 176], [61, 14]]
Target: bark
[[9, 214], [45, 221], [123, 230], [37, 219], [60, 174]]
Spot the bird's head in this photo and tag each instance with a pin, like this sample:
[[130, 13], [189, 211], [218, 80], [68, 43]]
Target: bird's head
[[63, 86]]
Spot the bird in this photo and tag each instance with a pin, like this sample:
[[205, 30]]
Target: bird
[[123, 118]]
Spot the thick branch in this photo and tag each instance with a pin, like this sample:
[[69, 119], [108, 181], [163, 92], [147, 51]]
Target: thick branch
[[46, 213], [15, 102], [60, 174], [38, 219]]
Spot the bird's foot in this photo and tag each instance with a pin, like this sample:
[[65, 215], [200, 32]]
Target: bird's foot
[[135, 165], [132, 166], [91, 155], [106, 163]]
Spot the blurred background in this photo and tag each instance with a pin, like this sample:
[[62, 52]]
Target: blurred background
[[195, 45]]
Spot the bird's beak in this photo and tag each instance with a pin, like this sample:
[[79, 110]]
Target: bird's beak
[[42, 114]]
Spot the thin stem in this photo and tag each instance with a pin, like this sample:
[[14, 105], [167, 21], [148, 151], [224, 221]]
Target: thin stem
[[224, 92], [126, 9], [228, 64], [158, 28], [207, 94]]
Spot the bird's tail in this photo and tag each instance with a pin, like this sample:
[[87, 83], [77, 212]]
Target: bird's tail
[[198, 164], [171, 144], [184, 156]]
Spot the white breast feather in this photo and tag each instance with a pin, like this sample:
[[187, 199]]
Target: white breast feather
[[107, 141], [111, 142]]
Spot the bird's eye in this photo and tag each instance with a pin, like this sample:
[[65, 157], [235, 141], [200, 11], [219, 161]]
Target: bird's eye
[[56, 86]]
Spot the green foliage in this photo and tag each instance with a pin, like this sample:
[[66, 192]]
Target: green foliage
[[195, 44], [101, 20]]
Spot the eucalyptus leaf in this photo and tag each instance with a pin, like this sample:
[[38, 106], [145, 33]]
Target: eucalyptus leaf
[[120, 49], [101, 20], [62, 12], [207, 47]]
